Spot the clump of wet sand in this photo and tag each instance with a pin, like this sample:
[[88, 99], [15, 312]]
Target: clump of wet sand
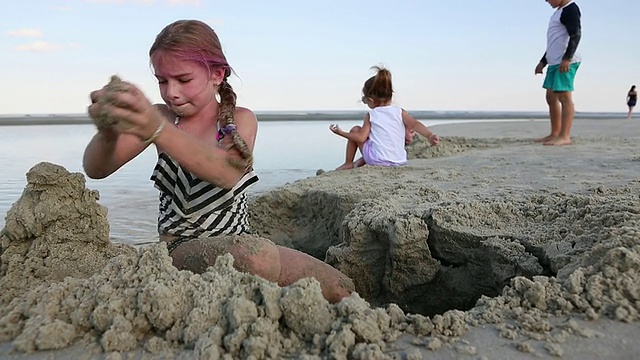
[[142, 301], [105, 120]]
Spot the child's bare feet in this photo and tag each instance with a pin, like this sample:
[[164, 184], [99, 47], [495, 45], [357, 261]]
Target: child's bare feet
[[345, 166], [558, 141], [545, 139]]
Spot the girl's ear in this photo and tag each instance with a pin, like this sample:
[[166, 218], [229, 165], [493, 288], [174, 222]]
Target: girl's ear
[[217, 75]]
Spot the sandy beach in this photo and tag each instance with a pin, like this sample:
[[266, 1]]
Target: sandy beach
[[488, 246]]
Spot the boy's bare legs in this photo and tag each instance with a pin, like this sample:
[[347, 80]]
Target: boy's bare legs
[[555, 115], [568, 111], [352, 148]]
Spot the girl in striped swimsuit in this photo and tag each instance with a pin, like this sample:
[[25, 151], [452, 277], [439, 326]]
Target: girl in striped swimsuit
[[205, 162]]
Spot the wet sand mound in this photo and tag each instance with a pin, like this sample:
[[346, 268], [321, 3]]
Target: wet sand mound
[[54, 230]]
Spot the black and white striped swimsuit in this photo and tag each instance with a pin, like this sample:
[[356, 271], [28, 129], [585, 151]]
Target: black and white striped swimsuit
[[191, 207]]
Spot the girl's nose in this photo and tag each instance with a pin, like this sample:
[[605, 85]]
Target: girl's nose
[[172, 89]]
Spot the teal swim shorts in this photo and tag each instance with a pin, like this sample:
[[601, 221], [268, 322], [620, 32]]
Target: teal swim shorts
[[560, 82]]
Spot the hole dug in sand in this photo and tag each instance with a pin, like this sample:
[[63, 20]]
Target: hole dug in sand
[[434, 253], [412, 258]]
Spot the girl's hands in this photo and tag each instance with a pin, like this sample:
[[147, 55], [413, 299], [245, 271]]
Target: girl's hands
[[408, 136], [434, 139], [335, 129], [121, 107]]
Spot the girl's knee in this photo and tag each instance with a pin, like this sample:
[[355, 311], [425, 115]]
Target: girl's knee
[[189, 256], [356, 128], [251, 254], [344, 288], [297, 265], [259, 257]]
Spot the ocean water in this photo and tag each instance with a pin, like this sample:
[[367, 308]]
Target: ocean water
[[285, 151]]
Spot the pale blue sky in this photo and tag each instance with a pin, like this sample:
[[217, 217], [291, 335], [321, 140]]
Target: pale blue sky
[[315, 55]]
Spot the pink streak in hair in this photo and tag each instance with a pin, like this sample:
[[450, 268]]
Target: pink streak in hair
[[210, 60]]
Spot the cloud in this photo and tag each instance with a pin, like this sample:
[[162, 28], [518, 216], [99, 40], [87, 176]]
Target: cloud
[[25, 33], [38, 46]]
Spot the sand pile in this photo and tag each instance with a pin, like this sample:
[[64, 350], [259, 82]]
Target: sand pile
[[55, 229], [139, 300]]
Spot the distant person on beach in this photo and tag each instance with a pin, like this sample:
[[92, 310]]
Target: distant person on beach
[[632, 98], [204, 165], [386, 129], [563, 37]]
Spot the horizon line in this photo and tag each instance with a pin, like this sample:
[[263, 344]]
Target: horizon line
[[338, 115], [333, 112]]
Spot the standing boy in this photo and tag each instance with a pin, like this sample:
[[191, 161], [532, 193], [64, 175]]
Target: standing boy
[[563, 36]]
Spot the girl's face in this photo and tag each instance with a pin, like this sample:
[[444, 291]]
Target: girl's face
[[185, 86]]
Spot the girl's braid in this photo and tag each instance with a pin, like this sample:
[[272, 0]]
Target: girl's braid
[[225, 115]]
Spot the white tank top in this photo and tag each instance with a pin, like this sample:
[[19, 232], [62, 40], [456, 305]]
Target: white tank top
[[387, 134]]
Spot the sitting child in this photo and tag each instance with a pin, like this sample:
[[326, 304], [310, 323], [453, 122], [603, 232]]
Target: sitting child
[[386, 129]]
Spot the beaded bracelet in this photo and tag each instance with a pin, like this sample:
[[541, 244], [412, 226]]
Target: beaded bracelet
[[155, 134]]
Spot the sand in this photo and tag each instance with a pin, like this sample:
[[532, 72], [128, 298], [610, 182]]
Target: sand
[[104, 120], [488, 246]]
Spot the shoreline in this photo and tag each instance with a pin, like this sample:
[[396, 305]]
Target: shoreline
[[81, 119]]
